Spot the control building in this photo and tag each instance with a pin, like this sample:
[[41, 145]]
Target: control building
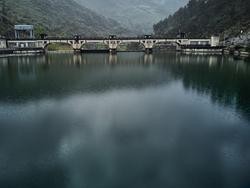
[[24, 31]]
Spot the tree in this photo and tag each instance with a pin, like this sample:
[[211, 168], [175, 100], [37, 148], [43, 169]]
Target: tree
[[203, 18], [3, 11], [2, 5], [39, 30]]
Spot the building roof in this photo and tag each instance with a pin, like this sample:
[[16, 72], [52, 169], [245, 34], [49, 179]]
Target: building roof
[[24, 27]]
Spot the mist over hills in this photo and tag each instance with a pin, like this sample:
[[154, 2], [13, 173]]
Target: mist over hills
[[138, 16], [56, 17]]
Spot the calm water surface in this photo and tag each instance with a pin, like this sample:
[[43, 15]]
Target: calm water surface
[[125, 121]]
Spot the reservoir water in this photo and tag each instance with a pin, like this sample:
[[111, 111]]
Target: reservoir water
[[124, 121]]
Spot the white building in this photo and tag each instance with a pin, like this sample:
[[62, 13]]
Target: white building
[[2, 42], [215, 41]]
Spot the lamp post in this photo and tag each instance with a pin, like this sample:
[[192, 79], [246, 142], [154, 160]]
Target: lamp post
[[241, 34]]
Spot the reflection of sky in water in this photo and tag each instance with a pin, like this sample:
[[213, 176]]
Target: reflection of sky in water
[[168, 128], [127, 138]]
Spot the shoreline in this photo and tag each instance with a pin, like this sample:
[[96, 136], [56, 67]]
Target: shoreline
[[237, 54]]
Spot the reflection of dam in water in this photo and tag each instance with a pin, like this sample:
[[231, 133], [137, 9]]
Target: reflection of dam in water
[[219, 77], [68, 69], [122, 58], [29, 65], [77, 59]]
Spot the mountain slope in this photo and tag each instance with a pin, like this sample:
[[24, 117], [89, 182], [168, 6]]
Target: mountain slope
[[136, 15], [57, 17], [203, 18]]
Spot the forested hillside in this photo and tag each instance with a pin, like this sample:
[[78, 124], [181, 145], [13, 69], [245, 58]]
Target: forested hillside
[[203, 18], [56, 17]]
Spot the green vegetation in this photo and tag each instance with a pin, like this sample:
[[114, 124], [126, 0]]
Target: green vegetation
[[133, 46], [95, 46], [58, 47], [39, 30], [203, 18], [248, 48], [56, 17], [247, 59]]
